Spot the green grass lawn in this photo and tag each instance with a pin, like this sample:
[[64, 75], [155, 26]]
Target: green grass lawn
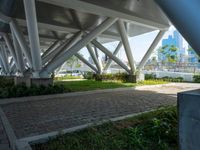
[[87, 85], [155, 130]]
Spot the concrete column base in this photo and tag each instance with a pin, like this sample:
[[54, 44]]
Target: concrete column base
[[33, 81], [41, 81], [131, 78], [135, 78], [189, 120]]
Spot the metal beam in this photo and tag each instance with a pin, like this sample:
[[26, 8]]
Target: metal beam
[[102, 11], [50, 55], [2, 65], [4, 18], [69, 44], [151, 49], [51, 48], [74, 49], [11, 49], [86, 62], [110, 55], [19, 54], [30, 12], [114, 54], [64, 29], [94, 58], [126, 45], [22, 42], [4, 58]]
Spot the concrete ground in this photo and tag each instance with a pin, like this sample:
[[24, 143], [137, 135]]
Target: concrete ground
[[31, 118]]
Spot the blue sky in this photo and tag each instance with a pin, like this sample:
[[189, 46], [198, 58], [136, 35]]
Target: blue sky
[[139, 44]]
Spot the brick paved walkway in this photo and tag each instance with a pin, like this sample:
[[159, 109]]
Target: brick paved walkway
[[30, 118]]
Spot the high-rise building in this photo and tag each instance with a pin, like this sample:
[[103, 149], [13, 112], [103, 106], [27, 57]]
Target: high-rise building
[[173, 40]]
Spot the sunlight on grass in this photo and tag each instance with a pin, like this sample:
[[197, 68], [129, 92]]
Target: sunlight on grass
[[87, 85]]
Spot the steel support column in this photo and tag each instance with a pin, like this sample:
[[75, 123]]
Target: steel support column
[[51, 54], [22, 42], [19, 54], [114, 54], [11, 49], [110, 55], [86, 62], [51, 48], [30, 12], [94, 58], [4, 58], [126, 44], [83, 42], [69, 44], [151, 49], [2, 65]]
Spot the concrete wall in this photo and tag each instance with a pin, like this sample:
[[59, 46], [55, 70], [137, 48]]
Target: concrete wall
[[159, 74], [189, 120]]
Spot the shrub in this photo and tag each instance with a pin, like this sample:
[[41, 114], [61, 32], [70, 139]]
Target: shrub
[[6, 81], [150, 76], [22, 90], [170, 79], [118, 77], [196, 78], [88, 75]]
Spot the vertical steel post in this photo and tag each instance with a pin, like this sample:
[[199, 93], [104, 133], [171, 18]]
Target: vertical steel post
[[32, 26]]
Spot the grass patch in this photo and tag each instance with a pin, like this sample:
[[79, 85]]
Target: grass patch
[[155, 130], [87, 85]]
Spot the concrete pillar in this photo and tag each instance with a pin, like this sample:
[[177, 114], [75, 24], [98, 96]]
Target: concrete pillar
[[31, 19], [189, 120], [184, 14]]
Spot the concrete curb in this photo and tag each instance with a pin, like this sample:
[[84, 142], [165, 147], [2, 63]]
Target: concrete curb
[[45, 137], [9, 131], [44, 97]]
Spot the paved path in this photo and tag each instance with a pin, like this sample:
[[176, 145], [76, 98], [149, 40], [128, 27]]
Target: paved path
[[34, 117]]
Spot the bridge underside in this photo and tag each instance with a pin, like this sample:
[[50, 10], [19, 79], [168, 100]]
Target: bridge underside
[[38, 36]]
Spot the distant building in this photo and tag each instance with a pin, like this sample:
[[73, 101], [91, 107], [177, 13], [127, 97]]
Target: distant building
[[177, 41], [192, 56]]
